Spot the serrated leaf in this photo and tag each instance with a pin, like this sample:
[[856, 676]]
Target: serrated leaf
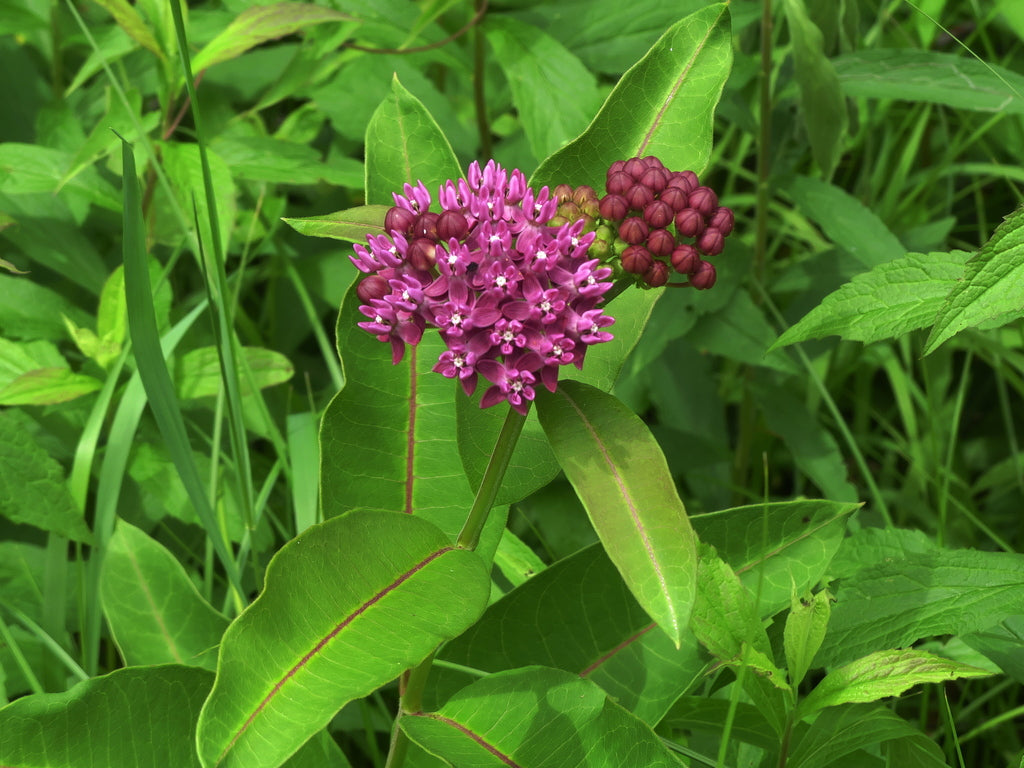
[[198, 372], [989, 293], [532, 61], [130, 21], [805, 629], [821, 102], [48, 386], [622, 478], [536, 718], [131, 718], [894, 602], [681, 77], [777, 545], [578, 615], [263, 158], [352, 225], [841, 731], [154, 610], [882, 674], [404, 144], [33, 489], [259, 24], [348, 605], [846, 221], [933, 76], [886, 302]]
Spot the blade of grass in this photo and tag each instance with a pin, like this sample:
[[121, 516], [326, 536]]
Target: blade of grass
[[155, 377]]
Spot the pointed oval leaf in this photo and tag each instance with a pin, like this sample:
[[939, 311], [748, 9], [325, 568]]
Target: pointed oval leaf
[[536, 718], [348, 605], [48, 386], [352, 224], [621, 476], [882, 674], [578, 616], [681, 78], [198, 373], [258, 25], [404, 144], [805, 629], [153, 608], [131, 718]]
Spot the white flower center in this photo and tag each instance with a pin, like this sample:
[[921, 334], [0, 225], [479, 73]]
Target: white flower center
[[456, 319], [500, 281], [545, 305]]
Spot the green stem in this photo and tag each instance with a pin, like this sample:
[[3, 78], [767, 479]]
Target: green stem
[[479, 97], [469, 536], [415, 680]]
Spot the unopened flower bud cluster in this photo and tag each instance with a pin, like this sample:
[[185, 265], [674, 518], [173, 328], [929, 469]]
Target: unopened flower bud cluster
[[513, 294]]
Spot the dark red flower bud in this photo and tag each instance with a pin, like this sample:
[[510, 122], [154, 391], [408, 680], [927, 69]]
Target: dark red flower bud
[[657, 275], [399, 220], [653, 161], [660, 242], [639, 197], [685, 259], [722, 220], [655, 179], [615, 167], [704, 200], [676, 197], [711, 242], [618, 183], [636, 259], [561, 193], [704, 277], [685, 180], [614, 207], [426, 225], [635, 167], [689, 223], [582, 194], [452, 224], [658, 214], [422, 253], [633, 230], [372, 287]]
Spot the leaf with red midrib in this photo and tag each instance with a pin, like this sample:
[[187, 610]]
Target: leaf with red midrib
[[348, 605]]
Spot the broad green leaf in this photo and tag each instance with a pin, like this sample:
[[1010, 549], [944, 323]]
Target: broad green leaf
[[895, 602], [183, 166], [709, 715], [805, 629], [198, 372], [348, 605], [882, 674], [777, 546], [843, 730], [33, 311], [812, 446], [132, 718], [48, 386], [260, 24], [533, 62], [622, 478], [388, 439], [404, 144], [26, 169], [262, 158], [518, 563], [33, 489], [1003, 643], [578, 615], [681, 78], [112, 317], [536, 718], [154, 610], [821, 102], [886, 302], [130, 21], [989, 294], [533, 465], [352, 225], [846, 221], [956, 80]]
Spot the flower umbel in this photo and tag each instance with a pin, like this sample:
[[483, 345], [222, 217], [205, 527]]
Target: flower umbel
[[512, 294]]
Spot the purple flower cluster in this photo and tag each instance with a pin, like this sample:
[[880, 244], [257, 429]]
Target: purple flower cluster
[[512, 297]]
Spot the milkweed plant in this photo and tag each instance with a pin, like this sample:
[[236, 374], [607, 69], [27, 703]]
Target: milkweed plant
[[480, 343]]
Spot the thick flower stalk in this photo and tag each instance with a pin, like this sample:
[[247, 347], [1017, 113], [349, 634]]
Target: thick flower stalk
[[513, 297]]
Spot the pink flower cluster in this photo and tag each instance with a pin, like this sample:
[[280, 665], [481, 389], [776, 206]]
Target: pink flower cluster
[[512, 297]]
